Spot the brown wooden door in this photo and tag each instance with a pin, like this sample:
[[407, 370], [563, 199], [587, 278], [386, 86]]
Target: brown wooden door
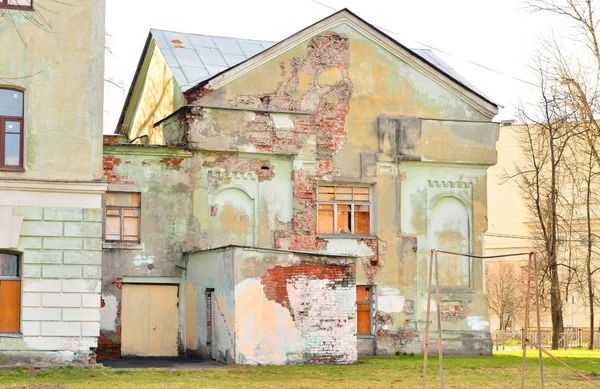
[[10, 305], [363, 308]]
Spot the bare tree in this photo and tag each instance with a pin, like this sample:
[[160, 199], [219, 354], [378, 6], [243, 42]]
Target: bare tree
[[502, 288], [579, 74], [545, 137]]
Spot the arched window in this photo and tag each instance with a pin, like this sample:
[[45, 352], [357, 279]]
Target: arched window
[[10, 292], [11, 129]]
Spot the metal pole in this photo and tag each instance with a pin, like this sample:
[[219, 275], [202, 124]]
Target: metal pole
[[570, 368], [572, 306], [439, 320], [426, 346], [524, 342], [539, 328]]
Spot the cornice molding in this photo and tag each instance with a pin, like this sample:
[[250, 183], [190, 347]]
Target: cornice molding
[[221, 174], [449, 184], [53, 186]]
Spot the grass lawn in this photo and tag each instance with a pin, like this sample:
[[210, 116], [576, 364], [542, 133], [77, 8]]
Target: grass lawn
[[500, 371]]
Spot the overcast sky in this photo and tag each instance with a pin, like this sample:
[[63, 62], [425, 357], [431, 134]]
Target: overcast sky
[[498, 34]]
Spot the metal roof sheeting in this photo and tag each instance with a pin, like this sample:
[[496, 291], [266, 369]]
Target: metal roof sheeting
[[194, 58], [436, 61]]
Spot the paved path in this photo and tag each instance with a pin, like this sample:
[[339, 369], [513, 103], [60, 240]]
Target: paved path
[[159, 363]]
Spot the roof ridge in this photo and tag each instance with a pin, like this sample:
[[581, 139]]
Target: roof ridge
[[212, 36]]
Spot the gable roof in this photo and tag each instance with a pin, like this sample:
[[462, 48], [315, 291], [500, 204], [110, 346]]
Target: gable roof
[[196, 59]]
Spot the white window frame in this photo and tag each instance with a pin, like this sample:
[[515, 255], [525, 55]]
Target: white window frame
[[351, 203]]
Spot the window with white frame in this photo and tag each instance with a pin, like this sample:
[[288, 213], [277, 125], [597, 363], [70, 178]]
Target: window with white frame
[[344, 209]]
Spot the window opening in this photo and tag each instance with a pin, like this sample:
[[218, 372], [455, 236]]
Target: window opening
[[363, 309], [10, 293], [11, 128], [122, 217], [344, 210]]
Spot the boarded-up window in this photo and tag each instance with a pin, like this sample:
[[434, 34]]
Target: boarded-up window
[[10, 293], [363, 309], [122, 217], [344, 210]]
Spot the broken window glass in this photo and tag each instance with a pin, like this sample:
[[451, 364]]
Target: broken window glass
[[344, 210]]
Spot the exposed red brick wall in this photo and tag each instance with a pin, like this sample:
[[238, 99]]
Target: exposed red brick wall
[[108, 349], [172, 162], [113, 140], [374, 263], [275, 280], [108, 164], [196, 94]]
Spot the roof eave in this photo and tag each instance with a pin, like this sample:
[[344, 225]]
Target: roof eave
[[118, 129]]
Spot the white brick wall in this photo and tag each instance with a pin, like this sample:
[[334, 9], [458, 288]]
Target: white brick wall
[[61, 277]]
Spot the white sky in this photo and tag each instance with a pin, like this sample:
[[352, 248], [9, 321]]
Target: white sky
[[499, 34]]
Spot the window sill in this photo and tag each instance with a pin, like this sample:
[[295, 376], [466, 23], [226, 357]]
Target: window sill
[[122, 246], [345, 236], [365, 336], [8, 169], [18, 7], [11, 335]]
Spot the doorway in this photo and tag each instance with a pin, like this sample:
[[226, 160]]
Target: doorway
[[149, 320]]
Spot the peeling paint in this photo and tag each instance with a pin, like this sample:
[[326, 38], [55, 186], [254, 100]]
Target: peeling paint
[[140, 260], [389, 300]]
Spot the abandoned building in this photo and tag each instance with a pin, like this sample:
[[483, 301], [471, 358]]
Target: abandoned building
[[260, 202], [275, 202]]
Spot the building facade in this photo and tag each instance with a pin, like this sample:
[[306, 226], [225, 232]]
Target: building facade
[[512, 229], [51, 181], [283, 199]]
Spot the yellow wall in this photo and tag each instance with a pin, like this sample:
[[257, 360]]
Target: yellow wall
[[157, 94], [61, 68]]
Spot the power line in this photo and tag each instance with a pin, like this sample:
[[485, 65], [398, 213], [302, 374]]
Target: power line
[[443, 51], [509, 236]]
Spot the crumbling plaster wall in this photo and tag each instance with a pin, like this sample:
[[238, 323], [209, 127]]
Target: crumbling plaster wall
[[345, 82], [271, 306], [210, 269], [294, 308], [243, 197], [166, 179]]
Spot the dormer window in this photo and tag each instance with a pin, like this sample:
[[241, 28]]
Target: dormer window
[[17, 4]]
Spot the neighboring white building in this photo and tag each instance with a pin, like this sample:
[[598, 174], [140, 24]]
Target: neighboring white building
[[51, 189], [508, 228]]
